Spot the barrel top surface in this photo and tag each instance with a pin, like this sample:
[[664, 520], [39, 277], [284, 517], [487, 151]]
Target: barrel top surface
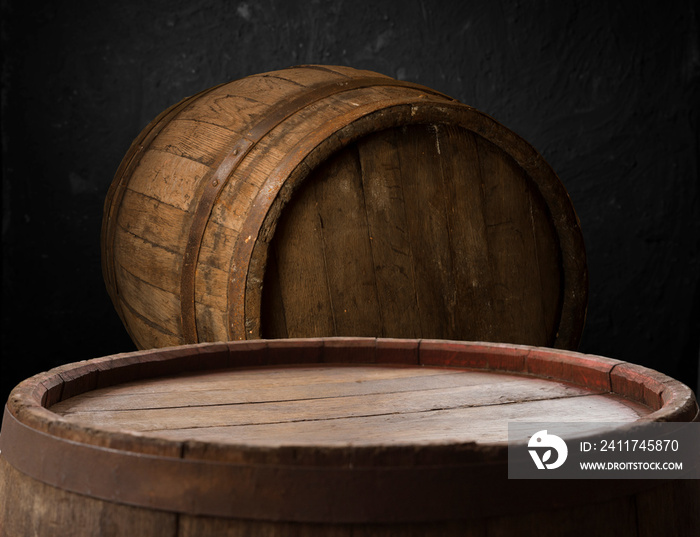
[[290, 429], [341, 405], [342, 392]]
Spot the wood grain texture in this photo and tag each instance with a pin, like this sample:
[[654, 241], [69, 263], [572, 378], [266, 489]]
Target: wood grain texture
[[426, 223], [386, 225], [514, 265], [469, 246], [324, 405], [421, 231], [30, 507]]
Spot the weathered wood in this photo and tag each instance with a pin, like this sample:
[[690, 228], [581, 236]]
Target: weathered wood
[[469, 245], [326, 201], [306, 302], [194, 140], [324, 437], [318, 405], [30, 507], [510, 237], [426, 223], [423, 262], [386, 222], [308, 409], [340, 204]]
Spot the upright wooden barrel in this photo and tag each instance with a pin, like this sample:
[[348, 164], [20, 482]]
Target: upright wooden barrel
[[327, 201], [323, 437]]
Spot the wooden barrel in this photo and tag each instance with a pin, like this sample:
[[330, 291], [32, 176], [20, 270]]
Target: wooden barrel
[[327, 201], [339, 436]]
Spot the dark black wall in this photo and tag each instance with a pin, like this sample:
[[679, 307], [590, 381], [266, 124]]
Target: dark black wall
[[606, 91]]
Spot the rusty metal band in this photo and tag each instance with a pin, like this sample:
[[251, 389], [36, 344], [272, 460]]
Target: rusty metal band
[[298, 493], [117, 189], [267, 492], [213, 183]]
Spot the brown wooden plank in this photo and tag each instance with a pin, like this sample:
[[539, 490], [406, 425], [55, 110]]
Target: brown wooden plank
[[299, 257], [153, 221], [168, 178], [224, 107], [273, 322], [262, 88], [145, 333], [391, 249], [306, 77], [251, 387], [351, 72], [397, 409], [217, 243], [264, 377], [210, 286], [160, 307], [194, 140], [483, 424], [148, 261], [237, 195], [549, 263], [211, 322], [211, 281], [639, 384], [517, 285], [346, 243], [234, 201], [29, 507], [424, 195], [471, 270]]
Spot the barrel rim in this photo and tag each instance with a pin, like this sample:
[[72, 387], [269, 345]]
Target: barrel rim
[[669, 399], [331, 484]]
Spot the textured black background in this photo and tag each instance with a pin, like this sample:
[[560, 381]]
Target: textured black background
[[606, 91]]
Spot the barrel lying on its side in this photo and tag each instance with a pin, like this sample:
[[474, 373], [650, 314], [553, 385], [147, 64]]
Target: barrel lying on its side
[[327, 201]]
